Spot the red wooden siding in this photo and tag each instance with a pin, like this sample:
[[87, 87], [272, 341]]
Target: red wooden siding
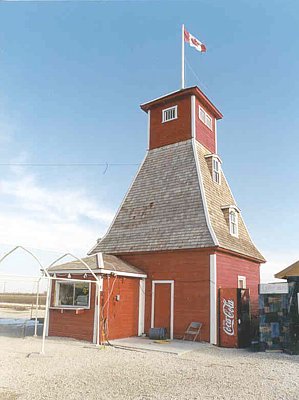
[[205, 135], [228, 269], [190, 271], [123, 314], [177, 130], [70, 324]]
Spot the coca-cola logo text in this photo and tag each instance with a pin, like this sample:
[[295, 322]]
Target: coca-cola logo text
[[228, 308]]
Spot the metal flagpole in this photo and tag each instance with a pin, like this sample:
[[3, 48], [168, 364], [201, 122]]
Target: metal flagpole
[[183, 57]]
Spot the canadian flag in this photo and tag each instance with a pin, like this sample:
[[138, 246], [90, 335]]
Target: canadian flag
[[194, 42]]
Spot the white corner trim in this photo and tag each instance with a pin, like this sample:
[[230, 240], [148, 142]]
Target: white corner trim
[[203, 195], [148, 129], [121, 204], [141, 311], [193, 124], [100, 260], [216, 138], [171, 282], [95, 317], [213, 299]]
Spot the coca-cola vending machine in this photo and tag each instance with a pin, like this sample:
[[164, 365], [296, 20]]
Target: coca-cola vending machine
[[234, 317]]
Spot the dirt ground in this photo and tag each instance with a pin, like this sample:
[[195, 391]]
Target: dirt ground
[[77, 370]]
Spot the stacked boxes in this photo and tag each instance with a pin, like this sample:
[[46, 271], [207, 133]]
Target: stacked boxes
[[273, 310], [293, 315]]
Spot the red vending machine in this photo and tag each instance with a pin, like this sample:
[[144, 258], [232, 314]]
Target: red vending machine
[[234, 317]]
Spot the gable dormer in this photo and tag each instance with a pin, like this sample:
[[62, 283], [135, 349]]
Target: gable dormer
[[180, 116]]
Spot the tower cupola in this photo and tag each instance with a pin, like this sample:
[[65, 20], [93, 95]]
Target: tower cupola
[[180, 116]]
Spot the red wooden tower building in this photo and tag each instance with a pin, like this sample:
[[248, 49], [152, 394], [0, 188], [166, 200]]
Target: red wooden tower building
[[179, 222], [179, 225]]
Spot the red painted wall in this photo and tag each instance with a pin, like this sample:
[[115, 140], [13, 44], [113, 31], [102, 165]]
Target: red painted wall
[[177, 130], [123, 314], [162, 309], [203, 134], [70, 324], [228, 269], [190, 271]]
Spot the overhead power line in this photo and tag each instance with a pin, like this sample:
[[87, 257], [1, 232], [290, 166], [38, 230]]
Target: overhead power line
[[66, 164]]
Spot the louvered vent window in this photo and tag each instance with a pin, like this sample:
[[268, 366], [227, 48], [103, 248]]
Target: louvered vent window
[[169, 114], [205, 118], [216, 170], [233, 223]]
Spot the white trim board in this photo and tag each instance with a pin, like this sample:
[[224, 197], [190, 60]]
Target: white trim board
[[171, 282], [141, 310], [148, 129], [193, 123], [98, 271], [213, 298], [203, 195]]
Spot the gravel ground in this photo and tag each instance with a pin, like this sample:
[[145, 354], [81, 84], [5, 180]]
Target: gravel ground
[[77, 370]]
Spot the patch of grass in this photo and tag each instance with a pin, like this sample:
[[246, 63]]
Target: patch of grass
[[22, 298]]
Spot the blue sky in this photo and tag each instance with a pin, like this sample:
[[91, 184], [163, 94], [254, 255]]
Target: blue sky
[[72, 77]]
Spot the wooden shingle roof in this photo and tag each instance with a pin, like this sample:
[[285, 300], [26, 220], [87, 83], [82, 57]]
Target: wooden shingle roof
[[174, 204], [292, 270], [217, 197], [110, 263], [163, 209]]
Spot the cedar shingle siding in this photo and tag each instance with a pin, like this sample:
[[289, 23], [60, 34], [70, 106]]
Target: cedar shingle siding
[[164, 207]]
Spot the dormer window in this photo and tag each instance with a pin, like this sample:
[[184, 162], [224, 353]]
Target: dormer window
[[233, 223], [214, 164], [169, 114], [216, 170], [204, 117], [232, 218]]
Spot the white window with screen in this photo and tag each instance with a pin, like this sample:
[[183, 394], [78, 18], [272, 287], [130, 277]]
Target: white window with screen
[[205, 118], [216, 170], [202, 115], [233, 223], [72, 294], [208, 121], [169, 114], [241, 282]]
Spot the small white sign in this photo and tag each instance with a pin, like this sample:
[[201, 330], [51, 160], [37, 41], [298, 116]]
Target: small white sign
[[274, 288]]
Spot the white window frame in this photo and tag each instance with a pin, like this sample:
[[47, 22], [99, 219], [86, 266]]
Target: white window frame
[[232, 231], [242, 279], [209, 122], [166, 111], [216, 172], [57, 290], [206, 118]]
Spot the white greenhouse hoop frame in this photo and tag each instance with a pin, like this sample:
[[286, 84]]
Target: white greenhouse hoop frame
[[50, 278]]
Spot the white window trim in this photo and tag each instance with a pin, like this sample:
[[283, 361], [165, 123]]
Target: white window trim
[[73, 307], [206, 116], [175, 108], [243, 279]]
